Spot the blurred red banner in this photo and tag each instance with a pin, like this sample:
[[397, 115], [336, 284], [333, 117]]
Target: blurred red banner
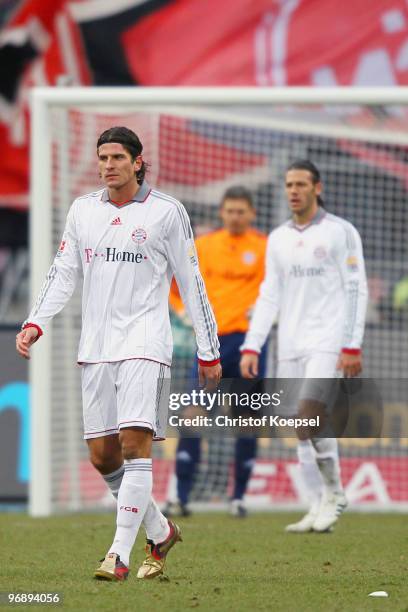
[[179, 42], [369, 482]]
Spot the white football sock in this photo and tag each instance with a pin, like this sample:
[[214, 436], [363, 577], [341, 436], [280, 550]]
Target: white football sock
[[114, 480], [310, 471], [327, 457], [155, 523], [133, 499]]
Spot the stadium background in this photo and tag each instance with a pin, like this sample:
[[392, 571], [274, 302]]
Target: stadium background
[[263, 43]]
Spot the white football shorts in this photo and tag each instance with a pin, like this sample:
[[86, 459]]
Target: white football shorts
[[124, 394], [307, 374]]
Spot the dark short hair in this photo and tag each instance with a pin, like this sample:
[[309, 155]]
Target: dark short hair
[[305, 164], [129, 140], [238, 192]]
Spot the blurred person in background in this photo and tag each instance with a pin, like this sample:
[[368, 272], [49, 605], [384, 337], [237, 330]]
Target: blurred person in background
[[232, 264], [316, 284]]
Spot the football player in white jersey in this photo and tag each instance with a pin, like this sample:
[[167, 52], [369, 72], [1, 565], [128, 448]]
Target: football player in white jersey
[[127, 240], [315, 283]]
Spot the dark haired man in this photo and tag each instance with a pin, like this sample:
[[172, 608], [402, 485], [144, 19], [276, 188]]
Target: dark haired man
[[127, 240], [232, 265], [130, 142], [315, 281]]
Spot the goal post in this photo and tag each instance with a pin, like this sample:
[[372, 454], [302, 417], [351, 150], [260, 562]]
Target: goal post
[[198, 142]]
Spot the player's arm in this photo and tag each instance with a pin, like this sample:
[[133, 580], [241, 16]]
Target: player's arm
[[183, 260], [265, 314], [58, 287], [355, 285]]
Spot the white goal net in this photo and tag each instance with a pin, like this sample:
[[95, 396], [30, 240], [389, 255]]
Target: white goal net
[[199, 142]]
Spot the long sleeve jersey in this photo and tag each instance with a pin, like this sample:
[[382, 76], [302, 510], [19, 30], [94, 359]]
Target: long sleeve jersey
[[315, 286], [128, 255]]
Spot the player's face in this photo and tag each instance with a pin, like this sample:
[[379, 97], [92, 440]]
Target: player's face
[[116, 167], [237, 215], [301, 191]]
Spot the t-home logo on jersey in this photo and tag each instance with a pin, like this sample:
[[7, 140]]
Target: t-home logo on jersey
[[113, 254], [300, 272]]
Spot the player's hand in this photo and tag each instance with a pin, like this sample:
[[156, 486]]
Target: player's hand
[[209, 376], [249, 365], [350, 364], [24, 340]]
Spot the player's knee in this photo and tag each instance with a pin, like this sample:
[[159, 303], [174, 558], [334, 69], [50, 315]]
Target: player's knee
[[135, 443], [102, 463], [98, 462], [303, 434], [105, 454], [185, 464]]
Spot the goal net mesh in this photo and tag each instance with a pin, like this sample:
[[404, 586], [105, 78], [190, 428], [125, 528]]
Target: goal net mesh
[[194, 155]]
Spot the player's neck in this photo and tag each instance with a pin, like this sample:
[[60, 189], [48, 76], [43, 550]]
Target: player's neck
[[236, 234], [124, 194], [305, 217]]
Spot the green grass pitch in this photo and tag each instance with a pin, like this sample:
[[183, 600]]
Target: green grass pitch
[[223, 564]]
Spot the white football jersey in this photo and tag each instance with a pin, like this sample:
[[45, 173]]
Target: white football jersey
[[315, 286], [128, 255]]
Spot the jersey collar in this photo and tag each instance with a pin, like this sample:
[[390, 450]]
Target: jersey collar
[[140, 196], [321, 213]]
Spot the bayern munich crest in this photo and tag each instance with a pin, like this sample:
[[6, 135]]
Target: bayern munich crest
[[139, 235], [248, 257], [320, 252]]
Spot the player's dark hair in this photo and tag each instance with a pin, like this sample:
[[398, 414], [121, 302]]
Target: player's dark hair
[[130, 141], [238, 192], [305, 164]]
